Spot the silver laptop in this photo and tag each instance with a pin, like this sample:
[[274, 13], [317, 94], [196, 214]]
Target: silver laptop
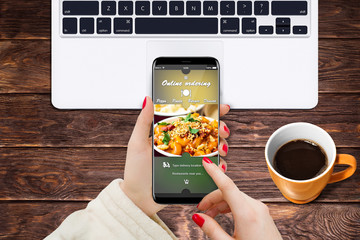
[[102, 51]]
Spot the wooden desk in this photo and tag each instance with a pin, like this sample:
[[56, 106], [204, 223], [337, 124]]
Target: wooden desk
[[53, 162]]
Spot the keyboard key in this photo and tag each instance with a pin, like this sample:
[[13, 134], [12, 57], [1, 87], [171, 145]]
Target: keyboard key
[[282, 30], [244, 8], [126, 8], [210, 7], [69, 25], [122, 25], [282, 21], [227, 7], [81, 8], [289, 8], [266, 29], [142, 8], [108, 7], [282, 25], [193, 7], [248, 26], [104, 25], [229, 25], [176, 25], [159, 7], [86, 25], [261, 7], [176, 8], [300, 30]]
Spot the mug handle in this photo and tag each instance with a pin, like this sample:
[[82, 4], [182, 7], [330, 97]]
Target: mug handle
[[348, 172]]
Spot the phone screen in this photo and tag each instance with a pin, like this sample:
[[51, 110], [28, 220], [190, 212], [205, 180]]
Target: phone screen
[[186, 120]]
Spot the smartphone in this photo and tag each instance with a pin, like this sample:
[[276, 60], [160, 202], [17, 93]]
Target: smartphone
[[186, 127]]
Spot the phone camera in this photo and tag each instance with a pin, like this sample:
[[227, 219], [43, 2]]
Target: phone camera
[[185, 70]]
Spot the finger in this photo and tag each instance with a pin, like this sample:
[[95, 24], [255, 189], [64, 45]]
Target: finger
[[211, 199], [223, 212], [231, 194], [223, 165], [143, 124], [210, 227], [223, 147], [224, 109], [217, 208], [224, 130], [215, 196]]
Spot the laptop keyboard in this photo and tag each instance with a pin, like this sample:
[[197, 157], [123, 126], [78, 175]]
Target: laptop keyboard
[[185, 18]]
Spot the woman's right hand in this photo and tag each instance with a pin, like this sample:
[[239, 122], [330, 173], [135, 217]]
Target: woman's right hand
[[251, 217]]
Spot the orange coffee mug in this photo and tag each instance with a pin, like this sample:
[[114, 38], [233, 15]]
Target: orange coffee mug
[[304, 191]]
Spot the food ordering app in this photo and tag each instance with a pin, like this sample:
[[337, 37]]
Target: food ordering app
[[185, 127]]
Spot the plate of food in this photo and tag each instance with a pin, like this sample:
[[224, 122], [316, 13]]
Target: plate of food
[[176, 109], [192, 133]]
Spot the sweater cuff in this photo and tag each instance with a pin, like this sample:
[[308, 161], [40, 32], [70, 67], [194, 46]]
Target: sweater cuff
[[128, 214]]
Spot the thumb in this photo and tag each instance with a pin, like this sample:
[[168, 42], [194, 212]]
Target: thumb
[[210, 227], [143, 124]]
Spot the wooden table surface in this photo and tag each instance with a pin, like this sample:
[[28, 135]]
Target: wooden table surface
[[53, 162]]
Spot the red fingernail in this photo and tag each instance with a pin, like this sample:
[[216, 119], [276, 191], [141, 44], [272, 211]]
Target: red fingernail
[[223, 167], [144, 103], [198, 205], [207, 160], [226, 129], [228, 106], [225, 148], [198, 219]]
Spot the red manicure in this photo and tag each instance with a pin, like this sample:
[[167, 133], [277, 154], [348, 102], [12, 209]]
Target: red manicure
[[223, 167], [198, 205], [198, 219], [144, 103], [207, 160], [226, 129], [228, 106], [225, 148]]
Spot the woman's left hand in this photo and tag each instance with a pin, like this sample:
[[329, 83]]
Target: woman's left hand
[[137, 183]]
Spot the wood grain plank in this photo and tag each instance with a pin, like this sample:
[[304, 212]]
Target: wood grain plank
[[81, 173], [250, 128], [58, 174], [25, 19], [339, 66], [303, 222], [311, 221], [339, 19], [25, 66], [31, 19], [31, 121], [317, 221]]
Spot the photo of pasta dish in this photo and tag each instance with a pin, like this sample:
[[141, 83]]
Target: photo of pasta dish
[[194, 134]]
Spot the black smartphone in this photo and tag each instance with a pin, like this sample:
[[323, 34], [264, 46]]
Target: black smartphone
[[186, 127]]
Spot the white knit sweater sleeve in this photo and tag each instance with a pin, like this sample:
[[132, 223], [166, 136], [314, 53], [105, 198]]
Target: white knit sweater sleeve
[[112, 215]]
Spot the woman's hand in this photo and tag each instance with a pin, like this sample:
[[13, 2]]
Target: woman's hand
[[251, 217], [137, 183]]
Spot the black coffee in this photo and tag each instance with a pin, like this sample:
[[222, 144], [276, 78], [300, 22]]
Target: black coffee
[[300, 160]]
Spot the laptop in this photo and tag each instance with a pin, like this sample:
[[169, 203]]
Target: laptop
[[102, 51]]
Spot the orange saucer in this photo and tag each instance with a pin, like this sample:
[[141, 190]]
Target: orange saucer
[[301, 201]]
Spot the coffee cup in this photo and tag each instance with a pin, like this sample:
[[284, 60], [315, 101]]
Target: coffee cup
[[304, 191]]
